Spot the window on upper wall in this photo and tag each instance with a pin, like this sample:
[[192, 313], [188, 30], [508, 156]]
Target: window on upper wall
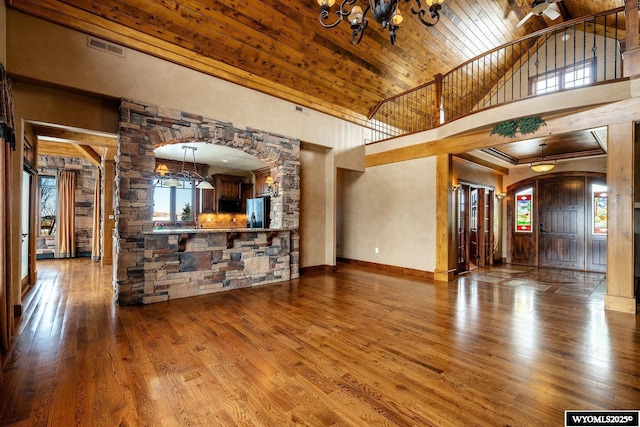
[[524, 211], [599, 202], [48, 205], [580, 74], [173, 204]]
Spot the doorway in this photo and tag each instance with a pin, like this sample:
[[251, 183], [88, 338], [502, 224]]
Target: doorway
[[27, 231], [475, 237], [558, 221]]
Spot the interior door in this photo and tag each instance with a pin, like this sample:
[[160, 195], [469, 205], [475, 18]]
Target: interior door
[[25, 229], [463, 221], [474, 250], [561, 227], [487, 227]]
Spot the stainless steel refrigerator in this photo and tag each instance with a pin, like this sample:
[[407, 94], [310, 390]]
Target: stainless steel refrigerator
[[258, 212]]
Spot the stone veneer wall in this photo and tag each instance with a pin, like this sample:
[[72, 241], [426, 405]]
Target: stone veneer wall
[[145, 127], [208, 265], [86, 175]]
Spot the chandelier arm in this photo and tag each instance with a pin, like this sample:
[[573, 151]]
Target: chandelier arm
[[195, 171], [358, 30], [421, 12], [392, 32], [340, 13]]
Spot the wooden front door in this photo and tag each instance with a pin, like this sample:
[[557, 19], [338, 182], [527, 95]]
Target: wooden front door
[[561, 227]]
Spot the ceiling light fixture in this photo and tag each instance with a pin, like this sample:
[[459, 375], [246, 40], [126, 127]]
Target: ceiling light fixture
[[201, 182], [385, 12], [542, 165]]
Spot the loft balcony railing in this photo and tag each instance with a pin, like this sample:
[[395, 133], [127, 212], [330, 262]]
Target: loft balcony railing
[[574, 54]]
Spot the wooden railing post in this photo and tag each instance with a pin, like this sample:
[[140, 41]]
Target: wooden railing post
[[631, 54], [438, 108]]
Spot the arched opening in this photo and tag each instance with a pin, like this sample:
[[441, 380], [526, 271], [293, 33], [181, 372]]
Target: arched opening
[[143, 129]]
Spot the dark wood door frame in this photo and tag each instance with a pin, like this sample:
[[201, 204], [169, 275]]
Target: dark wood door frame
[[527, 248], [475, 236]]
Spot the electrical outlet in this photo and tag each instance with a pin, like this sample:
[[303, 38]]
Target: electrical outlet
[[377, 250]]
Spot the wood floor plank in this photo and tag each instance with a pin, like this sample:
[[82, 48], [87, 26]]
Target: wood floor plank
[[351, 348]]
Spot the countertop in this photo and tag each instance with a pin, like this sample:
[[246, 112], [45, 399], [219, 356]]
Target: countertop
[[216, 230]]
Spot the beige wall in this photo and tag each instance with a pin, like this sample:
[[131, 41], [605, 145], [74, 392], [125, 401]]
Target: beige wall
[[60, 57], [316, 220], [392, 208], [38, 103]]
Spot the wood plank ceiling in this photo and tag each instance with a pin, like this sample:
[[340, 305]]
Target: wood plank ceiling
[[279, 47]]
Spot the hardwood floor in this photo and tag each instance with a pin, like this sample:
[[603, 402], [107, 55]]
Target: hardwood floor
[[500, 346]]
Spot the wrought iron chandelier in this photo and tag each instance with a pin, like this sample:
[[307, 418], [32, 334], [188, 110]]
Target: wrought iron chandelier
[[384, 12], [174, 179]]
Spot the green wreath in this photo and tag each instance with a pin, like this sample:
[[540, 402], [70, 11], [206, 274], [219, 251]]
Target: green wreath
[[525, 125]]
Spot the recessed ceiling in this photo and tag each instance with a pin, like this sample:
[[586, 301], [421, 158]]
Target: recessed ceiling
[[574, 145], [215, 156]]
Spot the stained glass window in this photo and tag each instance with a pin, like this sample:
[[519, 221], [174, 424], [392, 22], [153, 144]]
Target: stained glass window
[[524, 209], [599, 200]]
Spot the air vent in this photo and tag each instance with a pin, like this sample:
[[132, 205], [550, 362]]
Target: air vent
[[105, 46], [304, 111]]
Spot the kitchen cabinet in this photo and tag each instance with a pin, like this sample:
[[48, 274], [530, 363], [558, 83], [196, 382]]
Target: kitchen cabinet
[[262, 189], [227, 186], [231, 193], [246, 192], [208, 201]]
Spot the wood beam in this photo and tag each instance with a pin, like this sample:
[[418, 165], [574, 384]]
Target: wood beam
[[64, 135], [58, 149], [620, 250], [89, 154], [443, 201], [477, 160], [616, 112]]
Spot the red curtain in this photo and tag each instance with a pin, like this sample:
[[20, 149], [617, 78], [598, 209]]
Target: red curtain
[[95, 239], [66, 214]]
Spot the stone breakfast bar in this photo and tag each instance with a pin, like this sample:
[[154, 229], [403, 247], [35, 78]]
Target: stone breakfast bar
[[160, 265], [196, 261]]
